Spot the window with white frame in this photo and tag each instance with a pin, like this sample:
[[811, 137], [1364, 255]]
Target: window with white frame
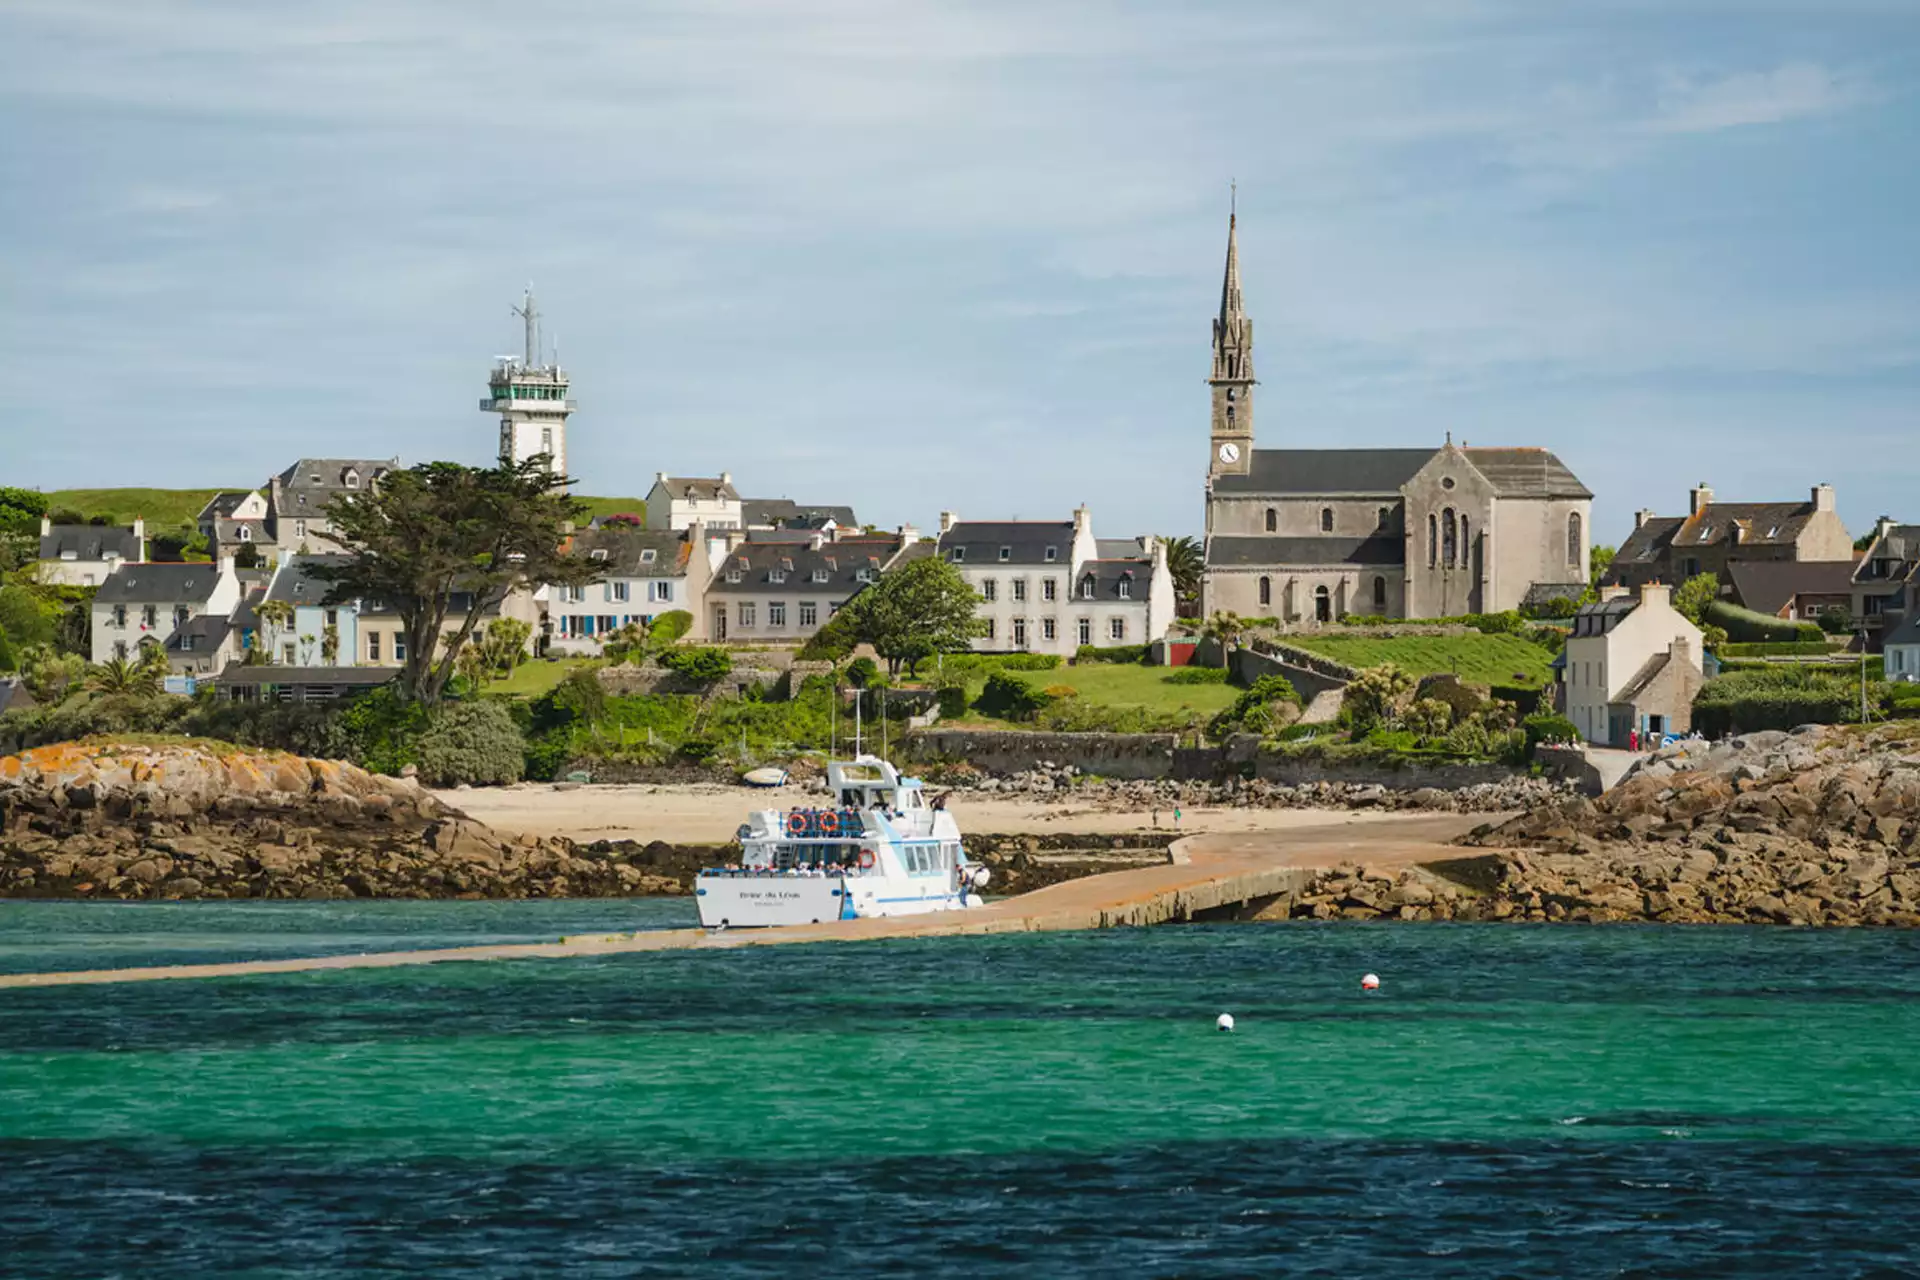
[[1006, 554], [1019, 633], [776, 575], [648, 555], [1049, 589], [989, 629], [777, 613], [989, 589], [1117, 628], [746, 614], [734, 575], [1086, 587], [1086, 631], [300, 529], [576, 594], [809, 613], [1126, 588], [1047, 629], [373, 646], [820, 575], [399, 646], [660, 591], [618, 590], [1019, 590], [147, 618]]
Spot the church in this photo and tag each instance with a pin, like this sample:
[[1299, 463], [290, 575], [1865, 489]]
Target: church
[[1309, 535]]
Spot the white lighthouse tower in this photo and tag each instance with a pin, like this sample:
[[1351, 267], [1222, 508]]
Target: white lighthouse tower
[[531, 399]]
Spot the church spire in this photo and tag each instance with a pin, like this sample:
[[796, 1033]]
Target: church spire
[[1232, 331]]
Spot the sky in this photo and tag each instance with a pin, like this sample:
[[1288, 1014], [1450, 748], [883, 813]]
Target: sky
[[920, 256]]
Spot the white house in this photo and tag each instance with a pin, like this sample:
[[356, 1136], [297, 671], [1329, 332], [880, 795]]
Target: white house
[[144, 604], [1051, 586], [647, 572], [1632, 664], [783, 591], [83, 555], [679, 502]]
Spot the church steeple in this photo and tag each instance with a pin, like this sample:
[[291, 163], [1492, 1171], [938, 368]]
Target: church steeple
[[1232, 376]]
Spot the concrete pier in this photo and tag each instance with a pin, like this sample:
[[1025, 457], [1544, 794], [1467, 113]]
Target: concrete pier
[[1208, 876]]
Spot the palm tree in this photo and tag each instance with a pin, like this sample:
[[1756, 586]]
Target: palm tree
[[1186, 563], [117, 677], [273, 615], [1225, 630]]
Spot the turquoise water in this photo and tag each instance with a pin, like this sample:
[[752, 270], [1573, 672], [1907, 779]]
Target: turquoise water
[[1515, 1101]]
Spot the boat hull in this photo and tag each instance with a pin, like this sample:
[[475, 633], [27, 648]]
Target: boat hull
[[735, 901]]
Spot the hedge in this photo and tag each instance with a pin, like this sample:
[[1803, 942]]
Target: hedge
[[1116, 653], [1777, 649], [1750, 626], [1011, 698], [1783, 697]]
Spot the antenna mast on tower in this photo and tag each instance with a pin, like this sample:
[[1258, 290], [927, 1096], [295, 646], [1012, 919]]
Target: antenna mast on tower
[[530, 314]]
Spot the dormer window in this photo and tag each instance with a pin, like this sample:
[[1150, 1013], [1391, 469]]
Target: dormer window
[[1773, 531], [819, 575], [734, 575], [959, 554], [1086, 587], [864, 575], [350, 478], [776, 575], [1053, 554], [647, 555], [1706, 534], [1126, 587], [1006, 554], [246, 534]]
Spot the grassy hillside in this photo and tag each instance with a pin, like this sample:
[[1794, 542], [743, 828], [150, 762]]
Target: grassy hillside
[[1478, 659], [168, 508]]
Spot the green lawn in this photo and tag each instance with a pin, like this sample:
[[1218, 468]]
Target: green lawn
[[533, 678], [171, 508], [1117, 684], [1477, 659]]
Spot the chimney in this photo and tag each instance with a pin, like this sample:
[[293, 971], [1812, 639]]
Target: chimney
[[1082, 520], [1823, 497], [1700, 497], [908, 535], [726, 478], [139, 538], [46, 526], [227, 565], [817, 541], [1881, 527], [947, 520], [659, 477], [1657, 593], [1641, 516], [1611, 593]]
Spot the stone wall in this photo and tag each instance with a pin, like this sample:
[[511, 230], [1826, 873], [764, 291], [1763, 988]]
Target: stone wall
[[1109, 755], [1310, 676]]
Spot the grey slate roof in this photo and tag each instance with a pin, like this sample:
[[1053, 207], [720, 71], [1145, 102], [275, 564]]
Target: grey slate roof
[[1768, 586], [147, 583], [1226, 551], [350, 677], [1648, 673], [89, 542], [1107, 575], [1598, 619], [208, 630], [635, 553], [1526, 473], [704, 488], [1375, 472], [977, 543], [1118, 549], [1645, 545], [786, 513], [1908, 632], [1901, 546], [295, 583], [329, 475], [839, 562], [223, 505]]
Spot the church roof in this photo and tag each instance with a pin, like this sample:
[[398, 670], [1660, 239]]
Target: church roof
[[1243, 551], [1377, 472], [1527, 473]]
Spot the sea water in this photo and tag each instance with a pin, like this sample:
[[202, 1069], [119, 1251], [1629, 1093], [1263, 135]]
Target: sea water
[[1514, 1101]]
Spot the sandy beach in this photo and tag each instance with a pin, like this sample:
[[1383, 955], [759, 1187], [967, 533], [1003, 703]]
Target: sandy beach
[[710, 814]]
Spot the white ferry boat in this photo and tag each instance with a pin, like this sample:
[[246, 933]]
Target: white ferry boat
[[878, 847]]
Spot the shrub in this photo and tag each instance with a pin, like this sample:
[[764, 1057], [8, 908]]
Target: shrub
[[9, 661], [861, 672], [1115, 653], [1461, 702], [1546, 726], [701, 665], [1058, 691], [380, 731], [1257, 709], [1195, 675], [1747, 625], [580, 698], [1378, 694], [475, 742], [1011, 698], [1431, 717], [830, 643], [1783, 696], [669, 627], [952, 700], [1025, 661], [1468, 738], [547, 754], [1776, 649]]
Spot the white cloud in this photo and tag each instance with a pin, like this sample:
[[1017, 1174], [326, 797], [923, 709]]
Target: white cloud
[[1792, 92]]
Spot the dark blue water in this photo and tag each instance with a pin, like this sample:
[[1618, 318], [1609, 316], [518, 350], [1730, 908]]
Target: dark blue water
[[1515, 1102]]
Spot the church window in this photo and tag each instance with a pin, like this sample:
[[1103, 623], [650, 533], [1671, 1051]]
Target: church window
[[1266, 592], [1230, 393], [1273, 520], [1466, 545], [1433, 540], [1326, 519], [1380, 595], [1386, 517], [1449, 538], [1322, 605], [1573, 540]]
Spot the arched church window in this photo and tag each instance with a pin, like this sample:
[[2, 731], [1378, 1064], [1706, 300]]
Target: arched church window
[[1466, 544], [1573, 541], [1449, 538], [1386, 517], [1326, 519], [1433, 540], [1266, 592], [1322, 605], [1273, 520], [1379, 595]]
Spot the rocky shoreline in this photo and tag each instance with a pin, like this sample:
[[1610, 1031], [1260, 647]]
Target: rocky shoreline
[[1064, 781]]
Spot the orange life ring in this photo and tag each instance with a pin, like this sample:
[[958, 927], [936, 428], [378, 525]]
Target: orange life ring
[[796, 823], [866, 859], [829, 823]]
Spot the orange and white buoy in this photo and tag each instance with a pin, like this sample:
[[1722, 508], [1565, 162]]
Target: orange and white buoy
[[1370, 983]]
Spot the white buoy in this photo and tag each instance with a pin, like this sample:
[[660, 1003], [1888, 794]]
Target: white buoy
[[1224, 1022], [1370, 983]]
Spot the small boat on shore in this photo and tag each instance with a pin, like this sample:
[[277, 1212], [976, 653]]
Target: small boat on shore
[[878, 847], [768, 777]]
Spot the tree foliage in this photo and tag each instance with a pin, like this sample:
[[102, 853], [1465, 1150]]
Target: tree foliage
[[1186, 564], [440, 530], [916, 611], [1379, 695], [701, 665], [120, 678], [1599, 560], [506, 644], [48, 673], [1695, 594]]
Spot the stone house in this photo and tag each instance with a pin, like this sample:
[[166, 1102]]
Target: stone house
[[783, 591], [1886, 579], [235, 520], [1051, 586], [145, 604], [1305, 535], [84, 555], [382, 637], [297, 497], [679, 502], [647, 572], [1714, 535], [785, 513], [1632, 663]]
